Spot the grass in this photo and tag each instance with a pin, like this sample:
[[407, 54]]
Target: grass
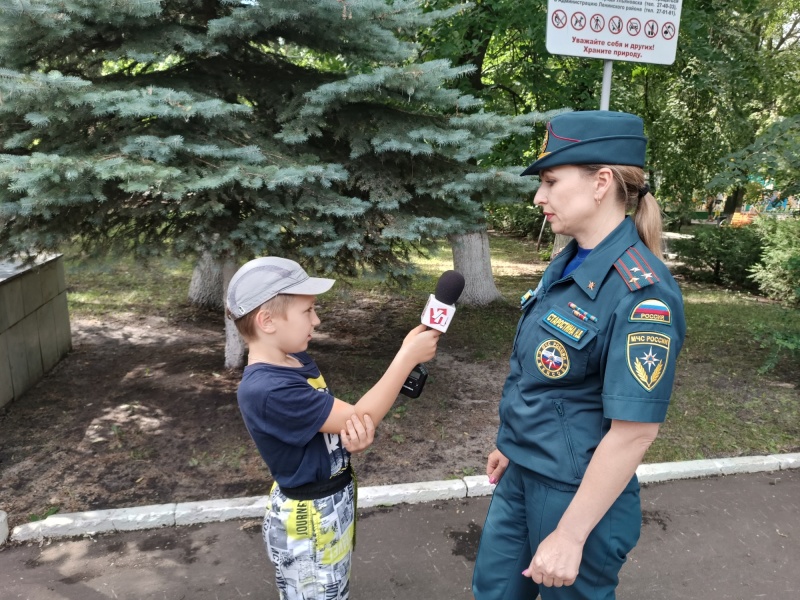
[[722, 404]]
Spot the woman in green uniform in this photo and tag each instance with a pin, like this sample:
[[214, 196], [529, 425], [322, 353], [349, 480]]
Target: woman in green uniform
[[591, 373]]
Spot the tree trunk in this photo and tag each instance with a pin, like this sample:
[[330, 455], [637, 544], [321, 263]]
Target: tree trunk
[[235, 348], [559, 244], [471, 258], [205, 290]]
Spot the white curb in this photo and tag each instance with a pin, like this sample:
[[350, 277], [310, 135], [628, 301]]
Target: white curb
[[191, 513], [411, 493], [3, 527], [188, 513]]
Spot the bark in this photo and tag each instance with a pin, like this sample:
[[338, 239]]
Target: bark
[[559, 244], [235, 348], [471, 258], [205, 290]]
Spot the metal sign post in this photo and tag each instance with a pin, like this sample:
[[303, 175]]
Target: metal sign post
[[628, 30]]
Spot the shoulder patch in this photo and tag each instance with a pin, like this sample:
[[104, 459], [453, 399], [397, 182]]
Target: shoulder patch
[[634, 270], [651, 311], [648, 353]]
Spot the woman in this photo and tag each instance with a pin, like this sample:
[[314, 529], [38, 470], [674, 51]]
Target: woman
[[591, 373]]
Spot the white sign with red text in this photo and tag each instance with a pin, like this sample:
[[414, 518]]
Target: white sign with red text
[[629, 30]]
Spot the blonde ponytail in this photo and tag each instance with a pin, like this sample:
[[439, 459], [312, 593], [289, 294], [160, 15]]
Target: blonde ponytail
[[649, 224]]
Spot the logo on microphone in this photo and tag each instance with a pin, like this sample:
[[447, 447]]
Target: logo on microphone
[[438, 316]]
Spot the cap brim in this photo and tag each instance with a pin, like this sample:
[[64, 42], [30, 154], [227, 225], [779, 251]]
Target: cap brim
[[312, 286], [582, 153]]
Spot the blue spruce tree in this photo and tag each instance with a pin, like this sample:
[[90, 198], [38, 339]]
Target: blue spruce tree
[[234, 128]]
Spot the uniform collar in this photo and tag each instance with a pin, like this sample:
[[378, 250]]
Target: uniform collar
[[590, 275]]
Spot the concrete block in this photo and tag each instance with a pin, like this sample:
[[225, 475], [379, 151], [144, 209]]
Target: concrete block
[[33, 353], [3, 527], [61, 279], [48, 273], [48, 339], [411, 493], [478, 485], [63, 331], [31, 290], [11, 302], [789, 461], [190, 513], [6, 384], [656, 472], [17, 359], [97, 521], [747, 464]]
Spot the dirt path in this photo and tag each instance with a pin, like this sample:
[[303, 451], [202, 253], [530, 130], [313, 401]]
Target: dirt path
[[141, 412]]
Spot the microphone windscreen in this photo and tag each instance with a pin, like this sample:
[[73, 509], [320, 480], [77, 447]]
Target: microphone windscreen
[[449, 287]]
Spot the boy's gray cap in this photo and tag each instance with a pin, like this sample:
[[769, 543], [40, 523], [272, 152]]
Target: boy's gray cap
[[263, 278]]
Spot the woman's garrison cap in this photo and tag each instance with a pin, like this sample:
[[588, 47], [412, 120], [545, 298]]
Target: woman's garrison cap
[[592, 137]]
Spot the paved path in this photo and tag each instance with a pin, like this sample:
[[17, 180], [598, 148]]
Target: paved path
[[734, 537]]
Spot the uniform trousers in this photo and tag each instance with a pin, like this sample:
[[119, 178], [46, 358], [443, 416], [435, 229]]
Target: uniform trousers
[[525, 509]]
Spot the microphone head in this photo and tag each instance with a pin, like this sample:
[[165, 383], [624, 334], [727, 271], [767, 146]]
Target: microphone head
[[449, 287]]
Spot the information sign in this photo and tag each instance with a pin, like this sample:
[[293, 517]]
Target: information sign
[[630, 30]]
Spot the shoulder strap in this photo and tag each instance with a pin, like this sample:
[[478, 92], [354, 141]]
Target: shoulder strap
[[635, 270]]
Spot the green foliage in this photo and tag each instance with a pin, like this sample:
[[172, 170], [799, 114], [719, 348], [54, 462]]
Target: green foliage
[[723, 255], [778, 273], [521, 219], [773, 156], [52, 510], [778, 344], [307, 128]]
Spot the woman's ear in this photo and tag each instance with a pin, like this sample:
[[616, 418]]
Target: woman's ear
[[604, 182]]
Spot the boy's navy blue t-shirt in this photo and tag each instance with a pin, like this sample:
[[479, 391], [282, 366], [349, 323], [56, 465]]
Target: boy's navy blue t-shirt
[[283, 409]]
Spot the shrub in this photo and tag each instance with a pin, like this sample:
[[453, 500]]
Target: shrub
[[521, 219], [778, 273], [724, 255]]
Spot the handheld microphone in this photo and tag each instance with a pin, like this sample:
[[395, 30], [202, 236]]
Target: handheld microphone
[[438, 314]]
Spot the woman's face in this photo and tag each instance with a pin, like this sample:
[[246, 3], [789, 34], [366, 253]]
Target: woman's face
[[567, 198]]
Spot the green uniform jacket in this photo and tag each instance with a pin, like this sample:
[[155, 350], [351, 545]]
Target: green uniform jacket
[[598, 344]]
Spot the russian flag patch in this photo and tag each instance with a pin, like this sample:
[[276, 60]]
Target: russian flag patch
[[651, 311]]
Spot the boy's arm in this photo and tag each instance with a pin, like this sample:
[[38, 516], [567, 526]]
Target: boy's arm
[[418, 346]]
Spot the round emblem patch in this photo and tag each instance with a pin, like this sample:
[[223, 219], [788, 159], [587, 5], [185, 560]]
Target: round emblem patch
[[552, 359]]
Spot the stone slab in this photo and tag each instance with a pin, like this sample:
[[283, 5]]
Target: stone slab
[[6, 384], [411, 493], [63, 330], [33, 353], [31, 290], [191, 513], [3, 527], [656, 472], [48, 337], [478, 485], [97, 521], [788, 461], [50, 279], [11, 302], [748, 464], [17, 359]]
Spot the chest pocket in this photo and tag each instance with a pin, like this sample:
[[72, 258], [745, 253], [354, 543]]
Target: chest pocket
[[558, 347]]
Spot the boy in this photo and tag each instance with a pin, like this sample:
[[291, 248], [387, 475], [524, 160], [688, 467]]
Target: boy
[[303, 433]]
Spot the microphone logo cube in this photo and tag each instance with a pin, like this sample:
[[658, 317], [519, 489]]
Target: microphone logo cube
[[437, 315]]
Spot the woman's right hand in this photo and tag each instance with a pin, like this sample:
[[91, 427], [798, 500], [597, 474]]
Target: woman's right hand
[[496, 466]]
